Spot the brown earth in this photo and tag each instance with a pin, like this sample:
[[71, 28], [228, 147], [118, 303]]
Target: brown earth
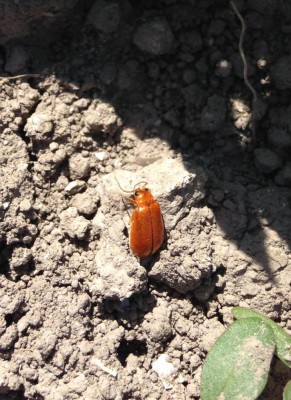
[[148, 90]]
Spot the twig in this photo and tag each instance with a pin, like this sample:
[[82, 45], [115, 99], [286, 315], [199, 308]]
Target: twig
[[245, 69], [10, 78], [27, 76]]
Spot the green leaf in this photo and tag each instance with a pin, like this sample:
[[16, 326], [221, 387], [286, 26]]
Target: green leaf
[[237, 366], [282, 339], [287, 391]]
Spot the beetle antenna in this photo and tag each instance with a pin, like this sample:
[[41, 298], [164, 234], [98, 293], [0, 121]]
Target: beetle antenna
[[126, 191], [144, 184]]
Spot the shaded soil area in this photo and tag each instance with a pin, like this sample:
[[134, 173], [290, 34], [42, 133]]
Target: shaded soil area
[[139, 91]]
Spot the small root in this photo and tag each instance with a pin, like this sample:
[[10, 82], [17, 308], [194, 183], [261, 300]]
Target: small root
[[245, 69], [23, 76]]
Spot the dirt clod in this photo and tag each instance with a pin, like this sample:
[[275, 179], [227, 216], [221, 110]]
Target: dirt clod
[[154, 37]]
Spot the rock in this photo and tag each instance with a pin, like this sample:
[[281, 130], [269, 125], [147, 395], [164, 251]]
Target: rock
[[119, 275], [185, 186], [79, 166], [279, 138], [75, 187], [9, 381], [283, 178], [187, 261], [2, 324], [203, 292], [33, 318], [210, 331], [39, 126], [218, 195], [266, 160], [25, 206], [223, 68], [8, 338], [85, 203], [176, 193], [46, 342], [9, 306], [241, 114], [183, 275], [194, 95], [281, 73], [48, 162], [29, 373], [154, 37], [101, 117], [21, 256], [213, 115], [105, 15], [101, 155], [53, 146], [74, 225], [157, 324], [165, 370]]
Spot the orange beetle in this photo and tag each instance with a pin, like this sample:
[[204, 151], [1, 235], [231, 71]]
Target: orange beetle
[[147, 226]]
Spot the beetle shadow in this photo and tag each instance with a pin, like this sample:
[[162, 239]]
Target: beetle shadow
[[129, 312]]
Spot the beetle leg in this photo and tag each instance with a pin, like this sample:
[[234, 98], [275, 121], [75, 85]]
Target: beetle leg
[[131, 201]]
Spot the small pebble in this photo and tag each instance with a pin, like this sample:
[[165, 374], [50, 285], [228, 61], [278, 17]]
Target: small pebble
[[105, 15], [75, 187], [25, 205], [79, 167], [283, 178], [279, 138], [214, 113], [154, 37], [266, 160], [84, 203]]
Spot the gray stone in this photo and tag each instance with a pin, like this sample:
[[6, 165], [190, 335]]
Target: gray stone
[[223, 68], [73, 224], [266, 160], [101, 117], [79, 167], [119, 275], [154, 37], [157, 323], [85, 203], [9, 380], [75, 187], [8, 338], [280, 138], [183, 276], [39, 126], [213, 115], [283, 178], [105, 15]]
